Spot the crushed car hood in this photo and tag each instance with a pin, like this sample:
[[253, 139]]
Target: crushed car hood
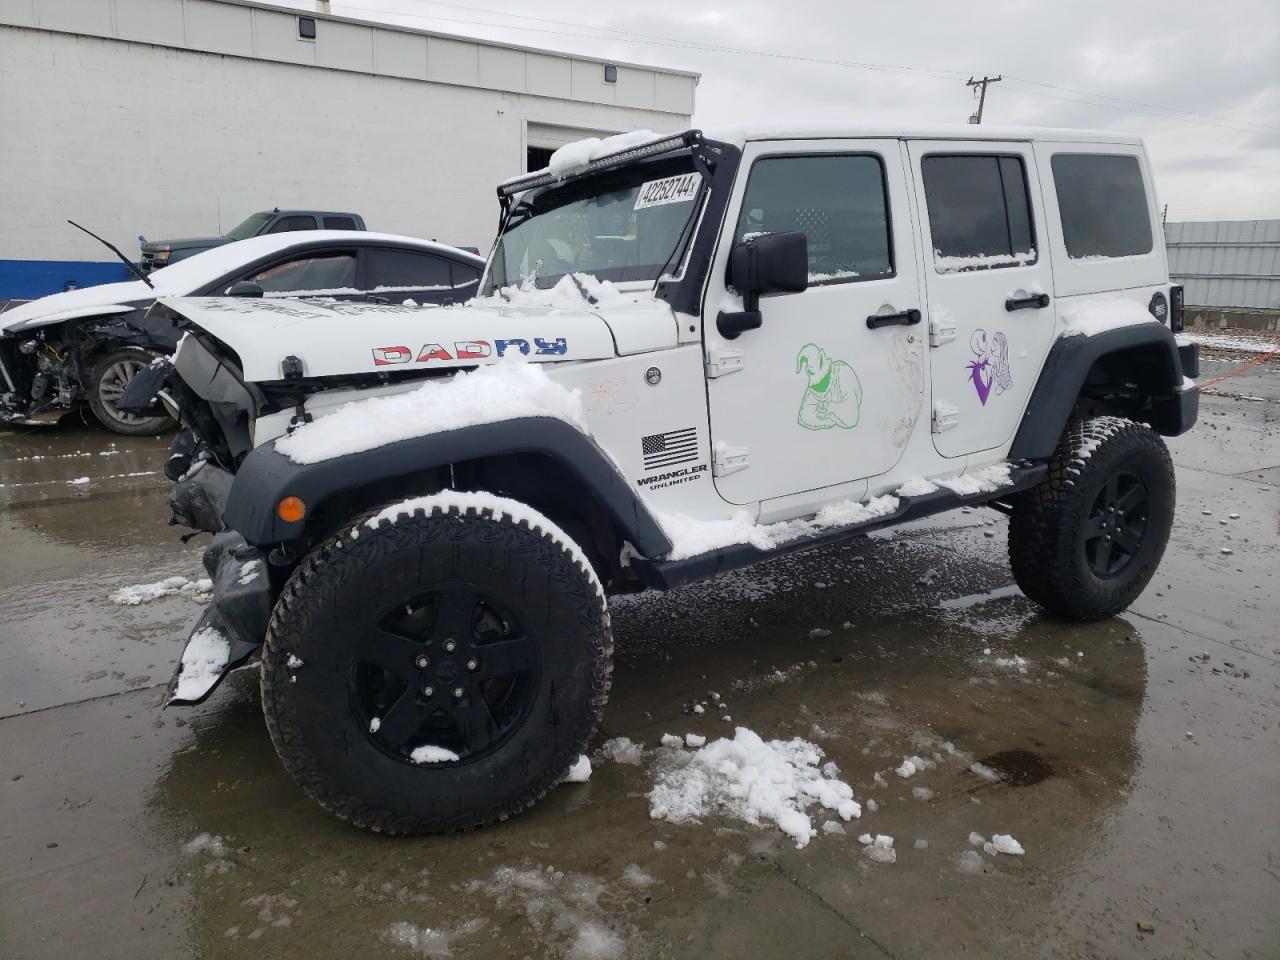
[[91, 301], [183, 243], [334, 338]]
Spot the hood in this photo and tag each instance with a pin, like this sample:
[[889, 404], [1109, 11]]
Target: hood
[[333, 338], [91, 301], [184, 243]]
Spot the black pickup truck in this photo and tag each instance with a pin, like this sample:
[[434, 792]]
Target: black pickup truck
[[161, 253]]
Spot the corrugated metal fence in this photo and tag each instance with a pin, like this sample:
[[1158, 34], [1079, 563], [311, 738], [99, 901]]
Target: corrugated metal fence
[[1226, 263]]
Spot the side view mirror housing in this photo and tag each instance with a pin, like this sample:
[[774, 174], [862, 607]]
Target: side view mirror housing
[[772, 263], [244, 288]]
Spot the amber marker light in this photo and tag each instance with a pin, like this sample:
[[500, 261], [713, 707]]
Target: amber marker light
[[291, 509]]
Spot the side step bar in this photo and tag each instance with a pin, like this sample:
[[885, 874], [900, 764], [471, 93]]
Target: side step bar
[[668, 574]]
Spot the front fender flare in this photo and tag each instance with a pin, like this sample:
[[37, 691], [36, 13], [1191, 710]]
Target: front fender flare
[[1066, 369], [266, 476]]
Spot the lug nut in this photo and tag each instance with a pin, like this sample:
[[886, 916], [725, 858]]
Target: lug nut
[[473, 664], [428, 691], [421, 661], [450, 646], [458, 693]]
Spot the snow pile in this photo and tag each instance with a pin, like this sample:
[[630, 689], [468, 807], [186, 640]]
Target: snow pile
[[572, 292], [428, 941], [203, 660], [751, 779], [986, 480], [576, 156], [499, 391], [131, 596], [982, 261], [621, 750], [563, 910], [690, 537], [1219, 341], [580, 772], [1086, 316], [916, 487], [428, 753]]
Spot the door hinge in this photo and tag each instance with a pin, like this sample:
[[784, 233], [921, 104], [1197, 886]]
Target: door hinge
[[726, 460], [945, 416], [941, 330], [722, 362]]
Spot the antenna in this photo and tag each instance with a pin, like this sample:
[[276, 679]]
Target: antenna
[[123, 259]]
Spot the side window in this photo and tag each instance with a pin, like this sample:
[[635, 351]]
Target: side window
[[392, 270], [1103, 205], [339, 223], [979, 212], [465, 278], [313, 273], [838, 202], [286, 224]]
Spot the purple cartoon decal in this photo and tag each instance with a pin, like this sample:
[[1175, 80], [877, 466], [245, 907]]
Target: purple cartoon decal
[[991, 369]]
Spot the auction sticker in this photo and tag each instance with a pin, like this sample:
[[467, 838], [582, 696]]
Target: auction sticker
[[679, 189]]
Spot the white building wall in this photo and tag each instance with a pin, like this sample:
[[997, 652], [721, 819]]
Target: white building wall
[[152, 135]]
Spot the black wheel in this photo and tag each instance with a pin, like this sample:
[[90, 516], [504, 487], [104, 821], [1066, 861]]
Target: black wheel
[[111, 375], [1086, 541], [439, 668]]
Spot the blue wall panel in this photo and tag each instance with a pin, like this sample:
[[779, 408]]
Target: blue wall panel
[[28, 279]]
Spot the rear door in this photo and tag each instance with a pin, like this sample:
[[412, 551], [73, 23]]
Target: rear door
[[393, 275], [817, 396], [988, 281]]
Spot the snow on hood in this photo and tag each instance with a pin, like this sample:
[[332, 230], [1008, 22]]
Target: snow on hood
[[90, 301]]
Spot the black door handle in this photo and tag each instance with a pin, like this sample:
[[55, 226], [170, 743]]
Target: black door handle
[[907, 318], [1036, 301]]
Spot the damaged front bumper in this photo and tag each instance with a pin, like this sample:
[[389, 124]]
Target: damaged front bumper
[[233, 627]]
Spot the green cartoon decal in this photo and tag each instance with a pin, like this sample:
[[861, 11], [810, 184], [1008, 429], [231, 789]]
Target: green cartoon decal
[[833, 397]]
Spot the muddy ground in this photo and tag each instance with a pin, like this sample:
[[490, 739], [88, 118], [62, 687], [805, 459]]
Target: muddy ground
[[1141, 756]]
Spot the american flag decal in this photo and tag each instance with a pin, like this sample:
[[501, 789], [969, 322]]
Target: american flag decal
[[668, 449]]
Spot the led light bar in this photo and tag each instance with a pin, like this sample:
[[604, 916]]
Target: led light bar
[[544, 177]]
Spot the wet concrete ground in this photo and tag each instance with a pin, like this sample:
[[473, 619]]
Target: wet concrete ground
[[1142, 754]]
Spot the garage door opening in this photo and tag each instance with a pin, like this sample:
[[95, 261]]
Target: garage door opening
[[544, 139]]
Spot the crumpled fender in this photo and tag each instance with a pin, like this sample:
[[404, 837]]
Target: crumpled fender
[[267, 476]]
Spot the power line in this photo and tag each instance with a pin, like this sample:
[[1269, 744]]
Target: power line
[[1068, 95], [982, 96]]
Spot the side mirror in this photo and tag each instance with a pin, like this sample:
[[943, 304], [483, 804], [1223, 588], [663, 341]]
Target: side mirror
[[244, 288], [772, 263]]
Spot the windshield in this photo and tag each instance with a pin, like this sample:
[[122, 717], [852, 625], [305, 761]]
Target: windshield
[[622, 225], [249, 227]]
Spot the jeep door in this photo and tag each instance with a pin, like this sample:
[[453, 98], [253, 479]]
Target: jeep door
[[817, 396], [987, 284]]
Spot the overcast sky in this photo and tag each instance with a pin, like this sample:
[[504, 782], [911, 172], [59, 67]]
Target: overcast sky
[[1200, 81]]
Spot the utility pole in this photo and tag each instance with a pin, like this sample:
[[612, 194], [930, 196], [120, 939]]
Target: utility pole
[[982, 95]]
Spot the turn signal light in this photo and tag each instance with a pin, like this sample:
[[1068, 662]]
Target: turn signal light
[[291, 509]]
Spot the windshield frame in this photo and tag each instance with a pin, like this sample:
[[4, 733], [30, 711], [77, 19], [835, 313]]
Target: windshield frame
[[682, 241], [261, 218]]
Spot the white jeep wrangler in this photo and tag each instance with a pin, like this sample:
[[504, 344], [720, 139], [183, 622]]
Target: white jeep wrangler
[[690, 353]]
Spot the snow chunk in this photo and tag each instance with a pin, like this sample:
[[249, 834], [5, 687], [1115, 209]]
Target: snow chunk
[[621, 750], [695, 740], [671, 740], [580, 772], [375, 724], [294, 661], [432, 942], [203, 660], [986, 480], [1003, 843], [637, 877], [427, 753], [690, 537], [1087, 316], [977, 839], [911, 766], [205, 843], [970, 861], [78, 482], [498, 391], [576, 156], [750, 779], [832, 826], [922, 793], [131, 596], [985, 772], [916, 487], [881, 849]]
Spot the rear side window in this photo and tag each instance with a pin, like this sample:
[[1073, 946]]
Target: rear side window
[[979, 212], [838, 202], [465, 278], [1103, 205], [312, 273], [391, 270], [339, 223], [286, 224]]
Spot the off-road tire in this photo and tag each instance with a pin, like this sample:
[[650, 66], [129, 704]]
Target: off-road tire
[[309, 659], [1050, 522], [111, 374]]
